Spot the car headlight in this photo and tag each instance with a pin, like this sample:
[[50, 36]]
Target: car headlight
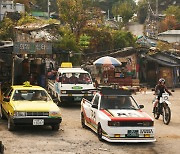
[[20, 114], [113, 123], [54, 113], [63, 91]]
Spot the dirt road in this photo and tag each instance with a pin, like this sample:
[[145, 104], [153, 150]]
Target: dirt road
[[73, 139]]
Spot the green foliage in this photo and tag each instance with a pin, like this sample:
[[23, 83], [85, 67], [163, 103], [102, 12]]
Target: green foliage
[[100, 39], [6, 29], [173, 11], [76, 13], [43, 6], [163, 46], [142, 11], [84, 41], [125, 9], [122, 39], [67, 40], [26, 19]]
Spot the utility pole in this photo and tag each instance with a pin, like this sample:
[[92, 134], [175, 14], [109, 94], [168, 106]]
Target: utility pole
[[12, 73], [0, 9], [108, 14], [157, 19], [48, 4]]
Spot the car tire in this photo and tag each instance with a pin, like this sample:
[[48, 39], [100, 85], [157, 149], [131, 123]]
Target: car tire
[[11, 125], [1, 148], [2, 116], [99, 132], [83, 122], [55, 127]]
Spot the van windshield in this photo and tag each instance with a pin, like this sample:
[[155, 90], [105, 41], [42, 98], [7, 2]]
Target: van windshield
[[76, 78]]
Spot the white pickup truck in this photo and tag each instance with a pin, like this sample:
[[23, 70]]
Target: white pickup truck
[[116, 117], [71, 84]]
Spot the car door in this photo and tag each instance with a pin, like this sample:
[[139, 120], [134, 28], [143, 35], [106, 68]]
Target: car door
[[6, 104], [94, 110]]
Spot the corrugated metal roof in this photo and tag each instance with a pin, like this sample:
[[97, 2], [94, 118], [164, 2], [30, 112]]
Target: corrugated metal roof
[[33, 26], [162, 62], [170, 32]]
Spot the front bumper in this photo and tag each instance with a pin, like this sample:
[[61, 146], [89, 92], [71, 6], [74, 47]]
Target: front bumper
[[29, 121], [133, 140], [129, 134], [75, 98]]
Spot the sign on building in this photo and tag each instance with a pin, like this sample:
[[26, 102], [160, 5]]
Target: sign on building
[[32, 48]]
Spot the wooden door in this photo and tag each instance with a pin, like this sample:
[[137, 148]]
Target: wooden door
[[167, 74]]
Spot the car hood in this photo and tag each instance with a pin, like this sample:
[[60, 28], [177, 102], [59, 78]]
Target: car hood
[[37, 106], [123, 115]]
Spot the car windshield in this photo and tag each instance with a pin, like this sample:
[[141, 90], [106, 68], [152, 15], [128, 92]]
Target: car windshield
[[31, 95], [118, 102], [76, 78]]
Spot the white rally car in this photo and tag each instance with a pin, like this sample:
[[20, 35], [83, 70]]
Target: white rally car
[[116, 117]]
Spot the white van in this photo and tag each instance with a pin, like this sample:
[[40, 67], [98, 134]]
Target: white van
[[71, 84]]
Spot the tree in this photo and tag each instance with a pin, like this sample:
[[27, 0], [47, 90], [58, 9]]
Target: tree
[[26, 18], [6, 29], [173, 11], [124, 8], [41, 5], [168, 23], [100, 39], [122, 39], [27, 3], [84, 41], [142, 11], [76, 13]]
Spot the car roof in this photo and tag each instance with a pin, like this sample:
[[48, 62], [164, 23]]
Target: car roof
[[27, 87], [113, 92], [71, 70]]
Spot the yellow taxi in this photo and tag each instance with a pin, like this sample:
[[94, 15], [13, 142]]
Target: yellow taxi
[[29, 105]]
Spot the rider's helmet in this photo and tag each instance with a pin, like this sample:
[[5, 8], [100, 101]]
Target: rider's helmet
[[162, 80]]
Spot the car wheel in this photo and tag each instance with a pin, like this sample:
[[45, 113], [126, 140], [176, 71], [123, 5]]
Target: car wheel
[[156, 113], [83, 123], [2, 116], [99, 132], [166, 115], [55, 127], [11, 125]]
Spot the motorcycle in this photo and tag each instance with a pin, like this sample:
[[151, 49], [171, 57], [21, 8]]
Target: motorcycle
[[163, 108]]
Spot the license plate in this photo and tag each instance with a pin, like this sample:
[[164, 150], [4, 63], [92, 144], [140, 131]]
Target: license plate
[[133, 133], [38, 121], [77, 98]]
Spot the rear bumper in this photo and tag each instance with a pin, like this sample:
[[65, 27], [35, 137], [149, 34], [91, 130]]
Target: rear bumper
[[29, 121]]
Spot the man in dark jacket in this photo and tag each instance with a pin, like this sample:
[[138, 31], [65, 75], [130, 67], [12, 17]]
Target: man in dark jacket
[[159, 90]]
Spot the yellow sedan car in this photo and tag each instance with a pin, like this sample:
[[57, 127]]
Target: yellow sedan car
[[29, 105]]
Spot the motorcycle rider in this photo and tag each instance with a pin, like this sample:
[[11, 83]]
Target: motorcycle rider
[[160, 88]]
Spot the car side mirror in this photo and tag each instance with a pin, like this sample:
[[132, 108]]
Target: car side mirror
[[94, 106], [6, 99], [141, 106]]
